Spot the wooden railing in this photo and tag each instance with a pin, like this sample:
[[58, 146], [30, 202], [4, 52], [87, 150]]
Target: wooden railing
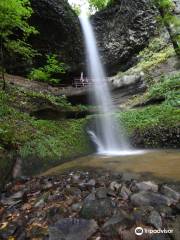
[[79, 83]]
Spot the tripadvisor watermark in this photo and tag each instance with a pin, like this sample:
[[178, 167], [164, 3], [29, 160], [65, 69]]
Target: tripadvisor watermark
[[139, 231]]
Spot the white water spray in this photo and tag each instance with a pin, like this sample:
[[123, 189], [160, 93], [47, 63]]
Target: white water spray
[[108, 136]]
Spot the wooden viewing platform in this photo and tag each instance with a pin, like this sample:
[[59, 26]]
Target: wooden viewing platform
[[77, 82]]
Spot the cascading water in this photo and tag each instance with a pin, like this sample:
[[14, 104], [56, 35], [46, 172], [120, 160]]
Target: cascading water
[[108, 136]]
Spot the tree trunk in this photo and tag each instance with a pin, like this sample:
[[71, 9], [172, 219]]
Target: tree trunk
[[171, 33], [2, 66]]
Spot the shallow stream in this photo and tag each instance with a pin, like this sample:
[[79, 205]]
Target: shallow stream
[[163, 164]]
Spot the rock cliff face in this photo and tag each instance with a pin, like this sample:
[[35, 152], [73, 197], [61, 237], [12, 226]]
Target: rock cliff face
[[122, 30], [59, 33], [59, 30]]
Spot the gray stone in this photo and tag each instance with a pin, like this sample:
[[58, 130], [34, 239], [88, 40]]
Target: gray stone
[[111, 226], [101, 193], [114, 186], [40, 203], [72, 229], [17, 195], [170, 193], [155, 219], [141, 214], [76, 207], [90, 197], [91, 182], [125, 81], [149, 198], [147, 186], [75, 178], [97, 209], [164, 211]]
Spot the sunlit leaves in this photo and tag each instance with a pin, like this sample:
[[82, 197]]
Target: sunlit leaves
[[99, 4], [14, 27]]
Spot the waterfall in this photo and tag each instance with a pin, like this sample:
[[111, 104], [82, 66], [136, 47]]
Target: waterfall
[[108, 136]]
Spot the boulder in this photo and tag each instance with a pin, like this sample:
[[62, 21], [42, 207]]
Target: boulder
[[122, 30], [169, 192], [72, 229], [147, 186], [155, 219], [144, 198], [97, 209], [112, 225]]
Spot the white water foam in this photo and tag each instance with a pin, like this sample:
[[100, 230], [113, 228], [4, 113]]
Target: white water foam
[[108, 137]]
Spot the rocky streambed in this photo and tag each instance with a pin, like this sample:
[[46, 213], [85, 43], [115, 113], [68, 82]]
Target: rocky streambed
[[94, 205]]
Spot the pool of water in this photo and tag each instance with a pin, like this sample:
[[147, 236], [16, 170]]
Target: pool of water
[[160, 163]]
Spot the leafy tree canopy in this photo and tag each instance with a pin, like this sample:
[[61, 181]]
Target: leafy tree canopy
[[77, 9], [13, 24], [99, 4]]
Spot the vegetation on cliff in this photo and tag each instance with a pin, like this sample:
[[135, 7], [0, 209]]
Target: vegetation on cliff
[[15, 29]]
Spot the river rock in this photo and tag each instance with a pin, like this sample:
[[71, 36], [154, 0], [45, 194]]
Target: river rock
[[164, 211], [111, 226], [91, 183], [97, 209], [101, 193], [147, 186], [40, 203], [140, 214], [76, 207], [155, 219], [72, 229], [114, 186], [149, 198], [170, 193], [90, 197], [75, 178], [13, 199]]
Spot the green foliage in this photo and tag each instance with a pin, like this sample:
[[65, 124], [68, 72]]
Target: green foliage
[[48, 141], [173, 99], [158, 51], [166, 4], [77, 9], [47, 73], [150, 58], [99, 4], [164, 86], [14, 15], [39, 74], [170, 20], [148, 117], [166, 89], [57, 140]]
